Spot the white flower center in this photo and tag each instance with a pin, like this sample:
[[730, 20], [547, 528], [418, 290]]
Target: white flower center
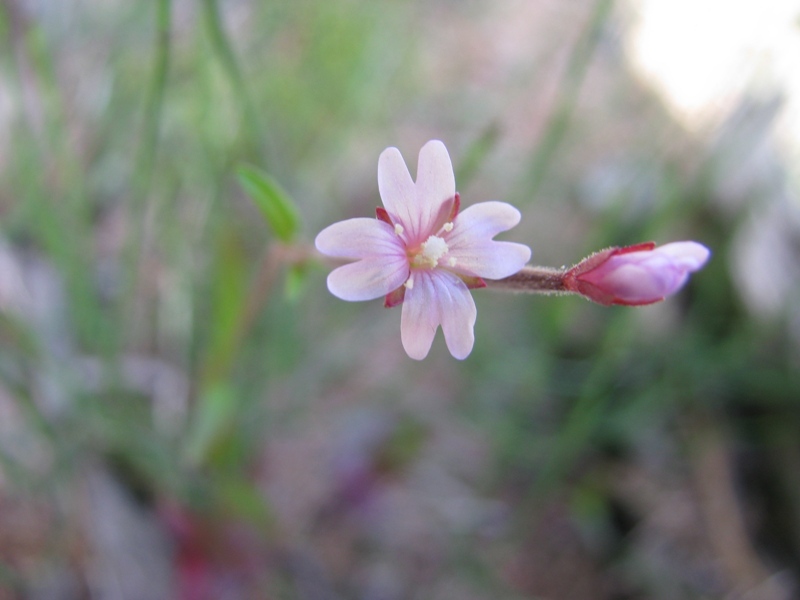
[[433, 249]]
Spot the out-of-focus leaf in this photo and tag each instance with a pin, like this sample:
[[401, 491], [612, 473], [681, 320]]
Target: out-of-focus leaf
[[476, 154], [228, 294], [296, 277], [272, 200], [402, 446], [244, 500], [213, 418]]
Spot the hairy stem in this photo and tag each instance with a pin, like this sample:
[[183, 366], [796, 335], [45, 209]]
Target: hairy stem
[[532, 280]]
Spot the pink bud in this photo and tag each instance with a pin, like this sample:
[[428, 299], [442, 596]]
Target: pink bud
[[635, 275]]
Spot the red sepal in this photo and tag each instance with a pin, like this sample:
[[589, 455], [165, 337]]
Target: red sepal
[[641, 303], [473, 283], [395, 298], [589, 263], [636, 248], [598, 258], [574, 283], [588, 290], [382, 215]]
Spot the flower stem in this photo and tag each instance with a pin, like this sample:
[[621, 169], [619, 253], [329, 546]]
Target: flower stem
[[223, 48], [532, 280], [148, 148]]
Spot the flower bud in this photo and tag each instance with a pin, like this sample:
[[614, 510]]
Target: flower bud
[[636, 275]]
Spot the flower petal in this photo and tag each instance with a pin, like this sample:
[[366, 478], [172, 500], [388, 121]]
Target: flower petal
[[397, 189], [359, 238], [687, 255], [490, 260], [458, 319], [644, 282], [641, 277], [471, 244], [368, 278], [436, 185], [485, 220], [437, 297], [417, 206]]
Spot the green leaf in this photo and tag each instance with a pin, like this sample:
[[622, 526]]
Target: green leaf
[[243, 499], [296, 276], [213, 419], [228, 291], [273, 201]]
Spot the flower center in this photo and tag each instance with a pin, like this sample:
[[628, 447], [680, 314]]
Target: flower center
[[431, 251]]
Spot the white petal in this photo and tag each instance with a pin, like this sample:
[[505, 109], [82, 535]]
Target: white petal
[[416, 206], [369, 278], [490, 260], [436, 184], [485, 220], [687, 255], [458, 318], [359, 238], [397, 189], [437, 297], [471, 244], [643, 282], [420, 317], [435, 172]]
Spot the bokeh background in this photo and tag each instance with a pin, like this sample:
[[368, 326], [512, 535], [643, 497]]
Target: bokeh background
[[186, 412]]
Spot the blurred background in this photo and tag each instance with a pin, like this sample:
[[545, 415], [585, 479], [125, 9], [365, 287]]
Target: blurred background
[[186, 412]]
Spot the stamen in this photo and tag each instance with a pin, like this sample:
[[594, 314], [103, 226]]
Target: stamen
[[398, 229], [433, 249], [448, 227], [409, 283], [452, 261]]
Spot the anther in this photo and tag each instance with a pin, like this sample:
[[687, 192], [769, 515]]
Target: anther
[[398, 229], [448, 227], [433, 249]]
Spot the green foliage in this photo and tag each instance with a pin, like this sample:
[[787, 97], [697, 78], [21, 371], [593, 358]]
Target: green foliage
[[296, 279], [275, 204], [213, 420]]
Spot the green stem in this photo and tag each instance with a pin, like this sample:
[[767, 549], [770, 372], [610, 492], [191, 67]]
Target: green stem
[[152, 117], [224, 51], [146, 157]]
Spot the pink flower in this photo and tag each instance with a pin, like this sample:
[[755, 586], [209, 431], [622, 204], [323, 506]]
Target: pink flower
[[635, 275], [422, 252]]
